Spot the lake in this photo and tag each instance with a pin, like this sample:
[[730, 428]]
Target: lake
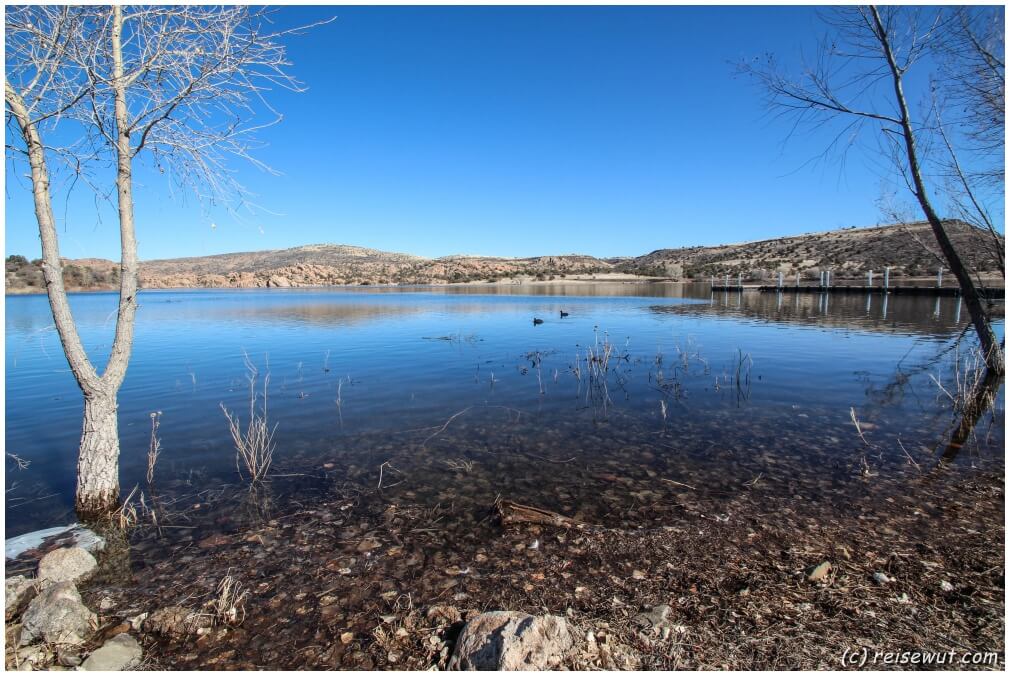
[[455, 394]]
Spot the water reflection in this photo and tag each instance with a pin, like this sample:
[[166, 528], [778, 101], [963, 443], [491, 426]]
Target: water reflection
[[564, 289], [913, 314], [711, 388]]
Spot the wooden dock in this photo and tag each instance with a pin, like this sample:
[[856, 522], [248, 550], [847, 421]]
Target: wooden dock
[[985, 292]]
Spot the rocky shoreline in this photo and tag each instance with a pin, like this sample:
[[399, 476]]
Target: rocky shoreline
[[363, 581], [49, 627], [276, 281]]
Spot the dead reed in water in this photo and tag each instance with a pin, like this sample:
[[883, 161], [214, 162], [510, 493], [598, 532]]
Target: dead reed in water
[[254, 446], [154, 447]]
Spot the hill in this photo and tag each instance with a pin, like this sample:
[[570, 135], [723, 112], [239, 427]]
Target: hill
[[909, 249], [330, 264]]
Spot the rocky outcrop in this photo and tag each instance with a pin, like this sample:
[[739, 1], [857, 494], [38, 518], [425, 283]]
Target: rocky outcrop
[[511, 641], [278, 281]]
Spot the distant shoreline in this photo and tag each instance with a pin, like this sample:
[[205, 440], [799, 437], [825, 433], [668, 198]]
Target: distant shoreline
[[848, 254], [603, 278]]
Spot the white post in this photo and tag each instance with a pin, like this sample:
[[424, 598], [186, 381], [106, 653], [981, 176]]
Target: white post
[[939, 277], [727, 281], [827, 278], [797, 280], [887, 278], [739, 279], [869, 278], [780, 279]]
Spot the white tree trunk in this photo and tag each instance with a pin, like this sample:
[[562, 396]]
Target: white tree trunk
[[98, 460], [98, 456]]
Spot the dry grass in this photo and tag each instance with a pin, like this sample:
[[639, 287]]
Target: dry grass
[[228, 605], [126, 516], [254, 446], [154, 448]]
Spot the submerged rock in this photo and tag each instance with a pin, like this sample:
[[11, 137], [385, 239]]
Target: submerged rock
[[70, 564], [119, 653], [19, 591], [511, 641], [57, 616], [174, 621]]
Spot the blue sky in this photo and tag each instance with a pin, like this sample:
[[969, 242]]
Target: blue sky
[[509, 131]]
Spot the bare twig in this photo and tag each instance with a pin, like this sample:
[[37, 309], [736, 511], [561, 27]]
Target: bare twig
[[444, 426]]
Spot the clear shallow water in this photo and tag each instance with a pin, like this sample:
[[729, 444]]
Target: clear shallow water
[[404, 361]]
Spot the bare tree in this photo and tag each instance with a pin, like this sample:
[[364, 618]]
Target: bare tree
[[858, 83], [968, 103], [87, 88], [972, 76]]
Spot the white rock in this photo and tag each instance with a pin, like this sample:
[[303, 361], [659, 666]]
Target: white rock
[[121, 652], [511, 641], [70, 564]]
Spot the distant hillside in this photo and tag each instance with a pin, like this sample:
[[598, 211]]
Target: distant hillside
[[329, 264], [848, 253], [910, 249], [86, 274]]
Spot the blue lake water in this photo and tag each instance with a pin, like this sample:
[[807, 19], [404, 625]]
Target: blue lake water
[[427, 385]]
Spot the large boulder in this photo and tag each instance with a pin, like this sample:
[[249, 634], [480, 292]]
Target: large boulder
[[70, 564], [57, 616], [511, 641], [19, 591], [279, 281], [121, 652]]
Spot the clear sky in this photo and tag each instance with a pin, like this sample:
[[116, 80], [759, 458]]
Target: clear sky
[[509, 131]]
